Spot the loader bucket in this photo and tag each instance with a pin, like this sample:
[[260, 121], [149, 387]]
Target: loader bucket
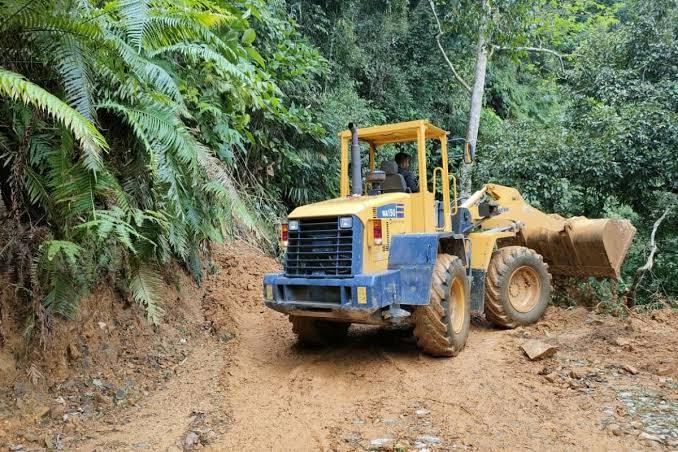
[[583, 247]]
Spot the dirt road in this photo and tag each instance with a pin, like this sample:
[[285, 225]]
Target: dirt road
[[378, 389], [242, 383], [262, 392]]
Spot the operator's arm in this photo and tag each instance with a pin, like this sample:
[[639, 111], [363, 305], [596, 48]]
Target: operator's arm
[[411, 181]]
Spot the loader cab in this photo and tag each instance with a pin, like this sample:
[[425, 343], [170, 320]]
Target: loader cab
[[428, 214]]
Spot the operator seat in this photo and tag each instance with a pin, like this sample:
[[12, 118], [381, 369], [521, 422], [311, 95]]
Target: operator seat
[[394, 182]]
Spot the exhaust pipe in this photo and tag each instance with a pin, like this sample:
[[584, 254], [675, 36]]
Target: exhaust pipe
[[356, 170]]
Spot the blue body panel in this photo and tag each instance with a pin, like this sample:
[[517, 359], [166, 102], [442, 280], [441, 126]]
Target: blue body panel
[[462, 222], [358, 235], [407, 281], [335, 298], [414, 256], [382, 289]]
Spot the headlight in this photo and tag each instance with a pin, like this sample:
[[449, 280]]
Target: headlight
[[293, 225], [345, 222]]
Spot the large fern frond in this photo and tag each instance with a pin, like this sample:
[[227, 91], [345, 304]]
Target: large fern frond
[[35, 187], [146, 285], [135, 16], [204, 53], [63, 294], [72, 187], [69, 249], [108, 186], [178, 237], [117, 224], [145, 70], [56, 264], [16, 87], [165, 30], [157, 126], [241, 212], [34, 21], [74, 67]]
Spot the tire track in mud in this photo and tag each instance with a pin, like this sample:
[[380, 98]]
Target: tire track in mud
[[378, 387], [270, 394]]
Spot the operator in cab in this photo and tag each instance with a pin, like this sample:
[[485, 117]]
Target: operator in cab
[[403, 161]]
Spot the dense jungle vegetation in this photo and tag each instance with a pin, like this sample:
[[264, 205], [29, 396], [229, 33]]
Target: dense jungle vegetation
[[134, 133]]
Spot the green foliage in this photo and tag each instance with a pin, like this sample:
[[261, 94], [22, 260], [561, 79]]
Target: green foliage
[[16, 87], [145, 285], [127, 135]]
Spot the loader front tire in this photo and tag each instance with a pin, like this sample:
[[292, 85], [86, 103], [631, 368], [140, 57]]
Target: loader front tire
[[517, 287], [442, 326], [318, 332]]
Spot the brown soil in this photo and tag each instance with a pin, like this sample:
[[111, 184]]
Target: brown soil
[[225, 373]]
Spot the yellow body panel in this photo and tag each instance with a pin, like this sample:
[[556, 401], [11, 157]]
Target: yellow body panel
[[362, 295], [516, 209], [361, 206], [482, 247], [375, 257], [395, 133]]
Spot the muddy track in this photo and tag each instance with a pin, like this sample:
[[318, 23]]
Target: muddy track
[[263, 392]]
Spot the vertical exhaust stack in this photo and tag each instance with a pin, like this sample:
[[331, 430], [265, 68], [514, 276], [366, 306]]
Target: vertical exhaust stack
[[356, 170]]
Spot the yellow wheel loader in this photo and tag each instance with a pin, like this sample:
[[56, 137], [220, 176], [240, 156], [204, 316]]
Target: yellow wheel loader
[[381, 254]]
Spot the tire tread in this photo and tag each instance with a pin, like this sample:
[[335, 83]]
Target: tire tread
[[430, 329], [497, 276]]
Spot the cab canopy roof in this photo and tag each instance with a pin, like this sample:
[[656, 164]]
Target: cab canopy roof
[[395, 133]]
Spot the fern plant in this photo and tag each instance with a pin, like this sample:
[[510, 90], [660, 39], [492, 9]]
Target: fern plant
[[92, 143], [118, 126]]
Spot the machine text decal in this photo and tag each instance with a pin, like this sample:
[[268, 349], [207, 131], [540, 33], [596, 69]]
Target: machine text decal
[[390, 211]]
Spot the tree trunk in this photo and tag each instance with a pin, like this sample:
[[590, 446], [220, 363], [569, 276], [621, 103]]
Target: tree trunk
[[5, 189], [630, 294], [476, 106]]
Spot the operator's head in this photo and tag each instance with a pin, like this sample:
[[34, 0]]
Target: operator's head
[[403, 160]]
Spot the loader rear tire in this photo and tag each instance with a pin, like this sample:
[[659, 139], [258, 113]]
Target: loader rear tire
[[318, 332], [441, 327], [517, 287]]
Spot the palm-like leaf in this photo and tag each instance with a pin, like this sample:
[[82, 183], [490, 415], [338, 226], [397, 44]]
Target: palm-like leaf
[[73, 66], [178, 27], [135, 16], [159, 129], [145, 286], [204, 53], [16, 87], [146, 70], [225, 187]]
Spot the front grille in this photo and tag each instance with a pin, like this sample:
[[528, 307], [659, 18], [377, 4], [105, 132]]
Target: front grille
[[319, 248]]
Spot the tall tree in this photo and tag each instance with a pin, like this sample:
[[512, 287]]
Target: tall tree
[[495, 23]]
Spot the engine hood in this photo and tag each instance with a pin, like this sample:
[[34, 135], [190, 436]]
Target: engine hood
[[361, 206]]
